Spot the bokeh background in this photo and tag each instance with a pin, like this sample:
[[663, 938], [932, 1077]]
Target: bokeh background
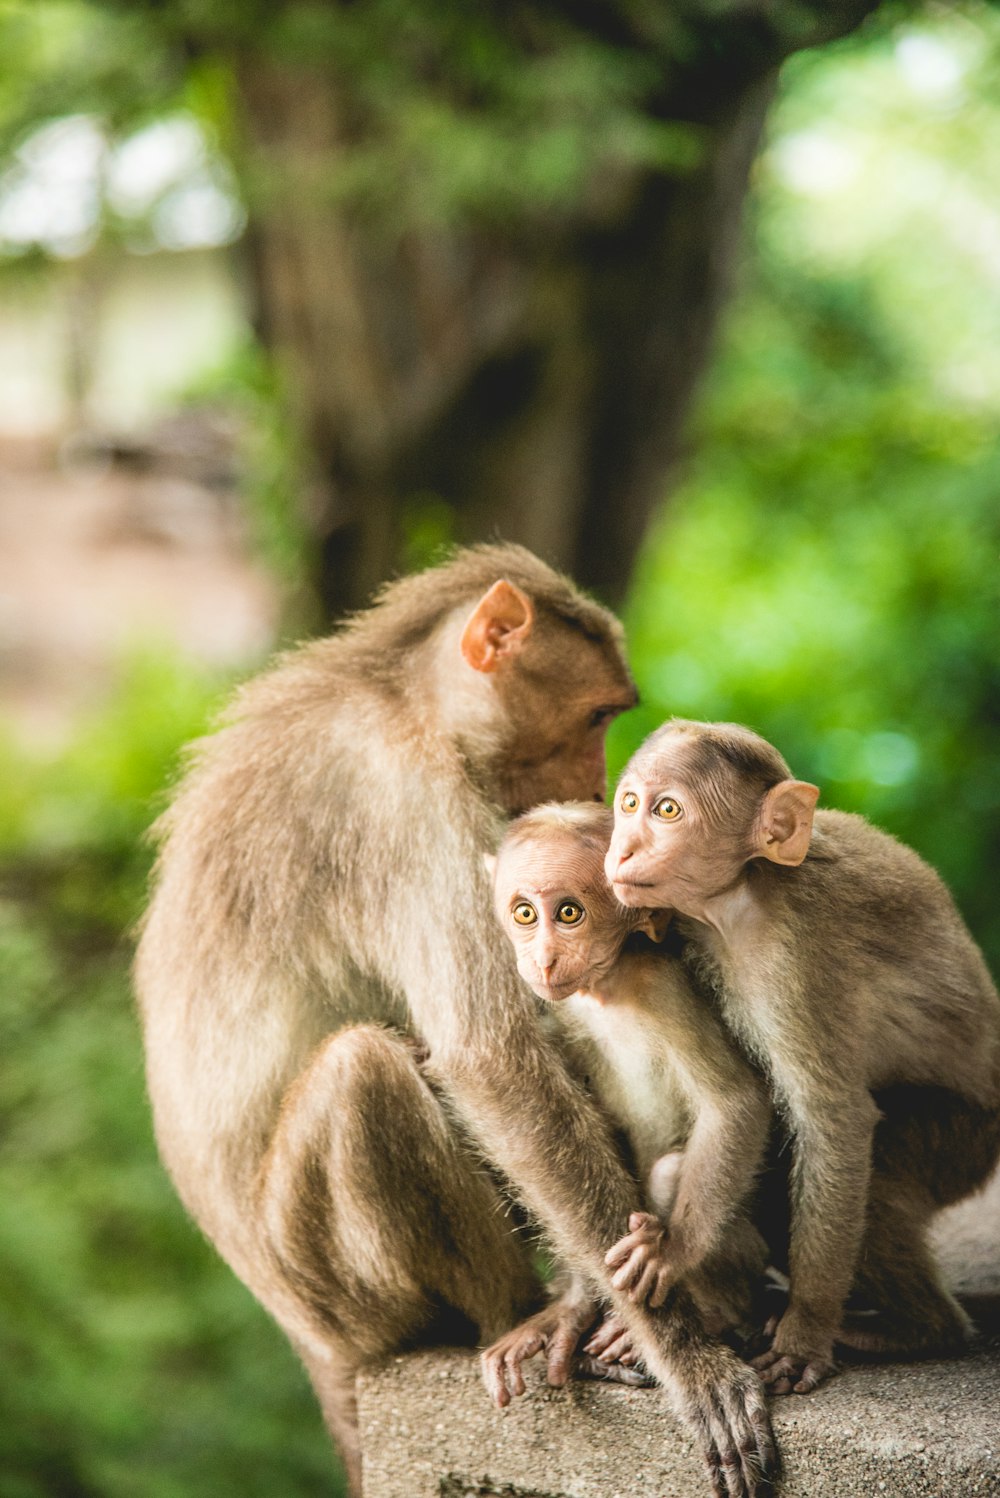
[[292, 296]]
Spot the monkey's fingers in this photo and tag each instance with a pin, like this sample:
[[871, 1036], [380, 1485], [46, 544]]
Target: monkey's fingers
[[665, 1281], [646, 1283], [559, 1355], [648, 1235], [785, 1372], [617, 1350], [501, 1365], [731, 1421], [614, 1373], [610, 1330], [750, 1464]]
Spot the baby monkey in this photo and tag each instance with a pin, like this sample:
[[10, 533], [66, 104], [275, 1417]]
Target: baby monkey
[[842, 967], [694, 1113]]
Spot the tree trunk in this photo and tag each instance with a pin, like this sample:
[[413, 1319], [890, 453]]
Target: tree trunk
[[533, 378]]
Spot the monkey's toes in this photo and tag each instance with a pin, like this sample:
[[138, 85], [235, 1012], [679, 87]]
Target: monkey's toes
[[787, 1373]]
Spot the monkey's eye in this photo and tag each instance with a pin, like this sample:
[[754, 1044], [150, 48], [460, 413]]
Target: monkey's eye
[[569, 913], [629, 803], [524, 914], [667, 810]]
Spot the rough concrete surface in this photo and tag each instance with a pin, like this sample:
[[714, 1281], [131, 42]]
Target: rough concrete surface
[[428, 1431], [902, 1430]]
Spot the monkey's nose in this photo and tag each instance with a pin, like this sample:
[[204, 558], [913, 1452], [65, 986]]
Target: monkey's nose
[[547, 969]]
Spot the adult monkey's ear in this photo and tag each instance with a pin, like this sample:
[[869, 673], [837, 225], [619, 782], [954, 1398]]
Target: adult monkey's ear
[[497, 627], [786, 820], [490, 864]]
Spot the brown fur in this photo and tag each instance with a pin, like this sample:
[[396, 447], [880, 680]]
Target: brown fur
[[656, 1058], [320, 908], [848, 975]]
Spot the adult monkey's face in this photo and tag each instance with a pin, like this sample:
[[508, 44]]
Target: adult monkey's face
[[555, 685]]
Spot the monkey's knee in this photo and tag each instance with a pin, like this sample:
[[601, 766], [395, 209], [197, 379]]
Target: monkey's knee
[[374, 1207]]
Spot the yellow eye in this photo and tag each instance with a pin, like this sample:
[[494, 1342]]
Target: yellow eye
[[629, 803], [667, 810], [569, 913], [524, 914]]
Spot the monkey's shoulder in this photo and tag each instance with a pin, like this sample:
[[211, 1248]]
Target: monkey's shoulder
[[853, 864]]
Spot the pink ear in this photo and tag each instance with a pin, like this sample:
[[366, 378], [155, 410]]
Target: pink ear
[[497, 627], [654, 924], [786, 820], [490, 864]]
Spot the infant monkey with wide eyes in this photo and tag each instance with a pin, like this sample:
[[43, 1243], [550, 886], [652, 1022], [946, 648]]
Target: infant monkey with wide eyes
[[839, 963], [663, 1069]]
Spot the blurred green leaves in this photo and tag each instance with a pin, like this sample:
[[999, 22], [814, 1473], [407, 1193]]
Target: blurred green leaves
[[133, 1360], [829, 570]]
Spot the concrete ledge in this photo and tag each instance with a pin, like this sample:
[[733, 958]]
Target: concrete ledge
[[428, 1431], [902, 1430]]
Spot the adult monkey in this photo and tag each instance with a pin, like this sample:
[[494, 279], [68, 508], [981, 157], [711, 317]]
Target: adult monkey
[[320, 903]]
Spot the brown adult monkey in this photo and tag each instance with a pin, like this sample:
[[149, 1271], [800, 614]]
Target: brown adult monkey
[[841, 964], [658, 1060], [320, 896]]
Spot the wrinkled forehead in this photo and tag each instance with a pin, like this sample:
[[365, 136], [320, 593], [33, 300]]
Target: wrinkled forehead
[[679, 758], [554, 863]]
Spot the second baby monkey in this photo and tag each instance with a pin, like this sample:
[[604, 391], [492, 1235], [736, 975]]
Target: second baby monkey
[[658, 1061]]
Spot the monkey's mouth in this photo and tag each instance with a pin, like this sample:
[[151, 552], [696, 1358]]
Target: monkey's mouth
[[628, 889], [554, 992]]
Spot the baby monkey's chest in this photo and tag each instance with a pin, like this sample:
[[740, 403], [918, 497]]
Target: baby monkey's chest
[[631, 1074]]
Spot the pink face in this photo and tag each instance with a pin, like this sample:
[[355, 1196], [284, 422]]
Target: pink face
[[662, 852], [562, 919]]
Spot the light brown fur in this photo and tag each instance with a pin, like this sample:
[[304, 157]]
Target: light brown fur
[[321, 915], [847, 973], [659, 1062]]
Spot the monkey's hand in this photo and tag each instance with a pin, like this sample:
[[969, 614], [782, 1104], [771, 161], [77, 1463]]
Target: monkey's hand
[[643, 1268], [799, 1357], [612, 1343], [557, 1329]]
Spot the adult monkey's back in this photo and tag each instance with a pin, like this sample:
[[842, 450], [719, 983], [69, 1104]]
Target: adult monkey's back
[[321, 897]]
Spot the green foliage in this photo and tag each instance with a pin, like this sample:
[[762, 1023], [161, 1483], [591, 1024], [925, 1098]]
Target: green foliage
[[828, 570], [133, 1360], [247, 384]]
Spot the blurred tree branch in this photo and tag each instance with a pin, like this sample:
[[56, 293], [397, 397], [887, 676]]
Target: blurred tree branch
[[487, 245], [491, 251]]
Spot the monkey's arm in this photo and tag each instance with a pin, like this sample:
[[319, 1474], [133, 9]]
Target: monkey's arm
[[721, 1158], [539, 1127]]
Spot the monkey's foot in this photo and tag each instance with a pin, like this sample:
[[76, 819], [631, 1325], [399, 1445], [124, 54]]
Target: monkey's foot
[[556, 1330], [796, 1362], [611, 1343], [616, 1372], [727, 1413]]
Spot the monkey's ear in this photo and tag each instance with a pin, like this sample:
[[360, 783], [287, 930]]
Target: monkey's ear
[[654, 923], [497, 627], [490, 864], [786, 820]]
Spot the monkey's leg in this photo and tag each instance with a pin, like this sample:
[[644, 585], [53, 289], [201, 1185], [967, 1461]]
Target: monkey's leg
[[931, 1148], [729, 1287], [379, 1221], [908, 1311]]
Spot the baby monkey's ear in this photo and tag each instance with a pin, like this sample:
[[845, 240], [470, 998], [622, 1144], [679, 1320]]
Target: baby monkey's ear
[[786, 820], [490, 864], [654, 923]]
